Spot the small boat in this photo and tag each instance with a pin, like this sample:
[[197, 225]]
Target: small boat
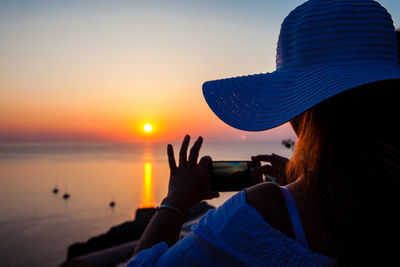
[[55, 189], [66, 196], [112, 203]]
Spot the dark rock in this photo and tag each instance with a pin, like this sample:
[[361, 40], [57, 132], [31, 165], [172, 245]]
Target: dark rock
[[144, 215], [127, 231]]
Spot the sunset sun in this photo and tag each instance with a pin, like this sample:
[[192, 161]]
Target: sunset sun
[[147, 127]]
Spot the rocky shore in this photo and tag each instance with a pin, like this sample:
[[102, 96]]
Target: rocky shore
[[127, 231]]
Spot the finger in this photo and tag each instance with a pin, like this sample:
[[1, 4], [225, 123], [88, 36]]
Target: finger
[[267, 170], [205, 168], [171, 158], [265, 158], [278, 160], [205, 161], [205, 164], [194, 151], [259, 170], [183, 151]]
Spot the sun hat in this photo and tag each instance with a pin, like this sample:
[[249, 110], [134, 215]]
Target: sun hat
[[325, 47]]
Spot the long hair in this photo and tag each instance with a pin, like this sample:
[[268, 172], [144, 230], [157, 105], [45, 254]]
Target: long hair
[[348, 150]]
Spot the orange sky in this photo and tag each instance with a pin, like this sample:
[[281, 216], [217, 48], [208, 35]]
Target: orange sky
[[84, 70]]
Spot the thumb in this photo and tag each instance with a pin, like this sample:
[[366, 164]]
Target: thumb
[[205, 161]]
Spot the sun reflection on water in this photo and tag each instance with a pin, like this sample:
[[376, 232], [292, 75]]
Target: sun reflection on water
[[147, 195]]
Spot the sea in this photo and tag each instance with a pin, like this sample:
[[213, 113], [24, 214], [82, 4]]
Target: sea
[[37, 225]]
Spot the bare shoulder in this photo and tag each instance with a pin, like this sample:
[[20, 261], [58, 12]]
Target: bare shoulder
[[268, 200], [263, 193]]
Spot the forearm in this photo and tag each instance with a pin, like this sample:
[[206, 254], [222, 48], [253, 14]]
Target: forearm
[[165, 226]]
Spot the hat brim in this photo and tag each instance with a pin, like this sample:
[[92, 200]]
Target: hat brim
[[264, 101]]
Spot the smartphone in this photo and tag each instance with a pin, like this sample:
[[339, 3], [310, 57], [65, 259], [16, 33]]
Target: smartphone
[[233, 175]]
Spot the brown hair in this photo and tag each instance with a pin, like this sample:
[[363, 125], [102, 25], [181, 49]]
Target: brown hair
[[348, 150]]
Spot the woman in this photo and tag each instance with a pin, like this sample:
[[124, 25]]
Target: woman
[[336, 79]]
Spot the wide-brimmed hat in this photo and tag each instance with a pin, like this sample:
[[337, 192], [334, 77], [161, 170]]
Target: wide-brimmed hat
[[325, 47]]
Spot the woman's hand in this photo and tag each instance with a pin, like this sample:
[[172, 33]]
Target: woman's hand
[[276, 169], [190, 181]]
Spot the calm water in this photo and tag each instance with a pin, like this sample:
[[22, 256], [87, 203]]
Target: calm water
[[36, 226]]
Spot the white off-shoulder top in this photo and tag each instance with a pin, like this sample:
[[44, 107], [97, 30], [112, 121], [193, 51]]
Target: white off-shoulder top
[[235, 234]]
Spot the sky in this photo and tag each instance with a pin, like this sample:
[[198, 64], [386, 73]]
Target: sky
[[100, 70]]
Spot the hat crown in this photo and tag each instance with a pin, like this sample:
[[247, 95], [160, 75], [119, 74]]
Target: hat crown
[[336, 32]]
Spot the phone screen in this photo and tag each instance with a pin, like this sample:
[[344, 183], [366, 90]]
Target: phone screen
[[232, 175]]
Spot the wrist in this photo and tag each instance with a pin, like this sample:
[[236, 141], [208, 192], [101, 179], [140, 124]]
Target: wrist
[[177, 204], [173, 209]]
